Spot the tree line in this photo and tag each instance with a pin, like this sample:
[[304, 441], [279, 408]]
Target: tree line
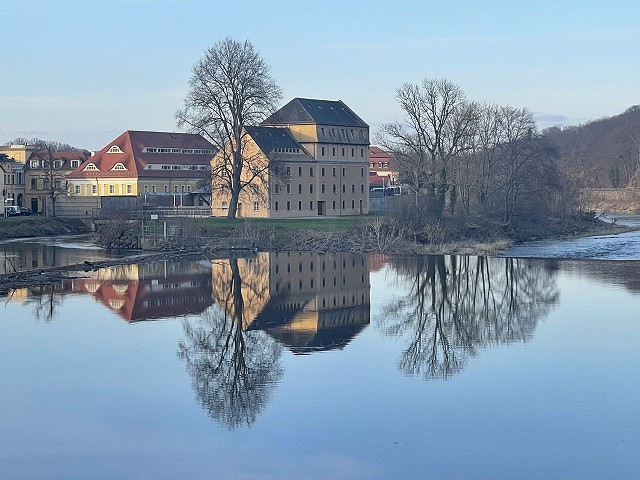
[[463, 157]]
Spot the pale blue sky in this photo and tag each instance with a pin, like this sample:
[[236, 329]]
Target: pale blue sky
[[82, 72]]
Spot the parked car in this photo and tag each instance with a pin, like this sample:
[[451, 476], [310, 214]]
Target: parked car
[[12, 211], [25, 211]]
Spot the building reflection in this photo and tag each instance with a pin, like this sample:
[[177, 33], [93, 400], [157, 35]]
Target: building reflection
[[151, 291], [307, 301], [304, 301], [135, 293]]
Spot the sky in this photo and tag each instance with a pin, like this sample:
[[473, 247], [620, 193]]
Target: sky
[[83, 72]]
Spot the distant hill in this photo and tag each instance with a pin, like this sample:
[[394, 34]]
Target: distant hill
[[601, 153]]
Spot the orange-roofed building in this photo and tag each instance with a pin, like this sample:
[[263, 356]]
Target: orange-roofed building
[[382, 173], [145, 163]]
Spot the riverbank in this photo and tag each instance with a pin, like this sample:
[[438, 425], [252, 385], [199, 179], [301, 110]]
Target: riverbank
[[35, 226], [373, 236]]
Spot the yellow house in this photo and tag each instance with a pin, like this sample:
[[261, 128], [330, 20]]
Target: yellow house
[[145, 163], [13, 173], [317, 153]]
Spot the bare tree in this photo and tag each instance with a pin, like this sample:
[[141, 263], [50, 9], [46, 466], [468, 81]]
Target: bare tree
[[230, 88], [438, 127]]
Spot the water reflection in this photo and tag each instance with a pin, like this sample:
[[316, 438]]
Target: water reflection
[[304, 301], [455, 305], [33, 253]]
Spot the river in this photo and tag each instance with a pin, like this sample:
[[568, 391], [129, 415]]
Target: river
[[324, 366]]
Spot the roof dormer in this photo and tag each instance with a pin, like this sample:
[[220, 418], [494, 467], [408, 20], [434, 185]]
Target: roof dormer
[[114, 149], [119, 166], [90, 167]]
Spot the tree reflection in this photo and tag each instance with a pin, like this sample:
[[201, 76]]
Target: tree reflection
[[233, 371], [456, 305]]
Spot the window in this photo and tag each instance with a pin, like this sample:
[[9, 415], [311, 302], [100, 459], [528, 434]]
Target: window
[[353, 204], [35, 163], [288, 188], [90, 166], [362, 172], [334, 188], [334, 205], [288, 205], [361, 188], [146, 189], [115, 149], [311, 188], [353, 152], [34, 183], [333, 170], [77, 189], [299, 171], [182, 188], [166, 189], [75, 163], [362, 152], [311, 171], [288, 170], [299, 205], [353, 188], [322, 188], [129, 189], [322, 172], [94, 189], [322, 151], [344, 188], [322, 131], [153, 189], [112, 189], [188, 188], [343, 152], [256, 206], [276, 188], [57, 164], [300, 188], [333, 150], [277, 206], [311, 205]]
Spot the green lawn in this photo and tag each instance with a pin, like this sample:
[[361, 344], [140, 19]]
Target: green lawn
[[323, 224]]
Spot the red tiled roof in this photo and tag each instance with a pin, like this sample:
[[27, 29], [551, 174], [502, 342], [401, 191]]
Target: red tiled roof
[[376, 153], [132, 144]]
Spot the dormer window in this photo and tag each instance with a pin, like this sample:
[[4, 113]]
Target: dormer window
[[114, 149], [75, 163], [57, 164], [35, 163], [119, 166], [90, 166]]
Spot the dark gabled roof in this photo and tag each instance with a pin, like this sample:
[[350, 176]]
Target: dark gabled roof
[[321, 112], [268, 138]]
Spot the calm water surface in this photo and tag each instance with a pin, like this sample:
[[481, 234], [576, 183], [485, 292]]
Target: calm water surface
[[310, 366]]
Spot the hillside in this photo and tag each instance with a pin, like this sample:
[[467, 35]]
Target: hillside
[[601, 153]]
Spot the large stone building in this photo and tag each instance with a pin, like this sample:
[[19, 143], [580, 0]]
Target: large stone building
[[315, 154]]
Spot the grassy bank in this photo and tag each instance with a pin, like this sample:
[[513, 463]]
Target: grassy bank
[[34, 226]]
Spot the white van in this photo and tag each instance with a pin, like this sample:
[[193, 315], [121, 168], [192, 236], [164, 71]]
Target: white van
[[12, 211]]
